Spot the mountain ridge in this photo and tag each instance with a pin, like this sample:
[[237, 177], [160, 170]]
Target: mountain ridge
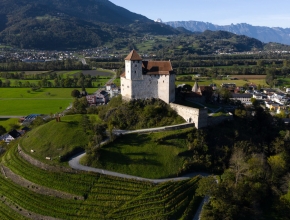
[[262, 33], [62, 24]]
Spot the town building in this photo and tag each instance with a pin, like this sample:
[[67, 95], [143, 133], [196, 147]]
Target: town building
[[147, 79], [98, 98], [245, 98], [91, 99], [102, 97]]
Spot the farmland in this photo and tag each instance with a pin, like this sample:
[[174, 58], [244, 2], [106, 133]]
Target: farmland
[[239, 80], [23, 101], [104, 197], [17, 101]]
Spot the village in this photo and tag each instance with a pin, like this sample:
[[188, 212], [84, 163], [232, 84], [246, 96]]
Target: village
[[196, 104]]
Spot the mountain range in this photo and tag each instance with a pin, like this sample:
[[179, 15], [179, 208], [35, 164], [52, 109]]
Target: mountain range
[[80, 24], [264, 34], [59, 24]]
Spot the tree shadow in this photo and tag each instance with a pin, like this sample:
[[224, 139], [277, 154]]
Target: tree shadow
[[186, 153], [122, 159]]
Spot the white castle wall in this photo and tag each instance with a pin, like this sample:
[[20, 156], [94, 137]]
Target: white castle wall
[[192, 115], [150, 86], [126, 88]]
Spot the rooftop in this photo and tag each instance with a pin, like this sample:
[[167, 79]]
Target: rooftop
[[133, 55]]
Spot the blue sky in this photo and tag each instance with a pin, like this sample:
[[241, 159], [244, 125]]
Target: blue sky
[[271, 13]]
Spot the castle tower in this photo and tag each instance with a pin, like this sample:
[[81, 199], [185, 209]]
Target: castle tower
[[196, 88], [133, 66]]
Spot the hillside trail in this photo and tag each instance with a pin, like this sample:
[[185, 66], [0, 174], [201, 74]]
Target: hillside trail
[[74, 162]]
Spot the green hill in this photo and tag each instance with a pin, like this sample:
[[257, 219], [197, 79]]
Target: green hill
[[56, 139], [156, 155], [61, 24]]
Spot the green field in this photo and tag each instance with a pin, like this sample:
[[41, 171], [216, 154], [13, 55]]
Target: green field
[[20, 102], [8, 122], [201, 82], [146, 155]]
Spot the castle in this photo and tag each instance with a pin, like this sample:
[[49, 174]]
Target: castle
[[156, 79], [147, 79]]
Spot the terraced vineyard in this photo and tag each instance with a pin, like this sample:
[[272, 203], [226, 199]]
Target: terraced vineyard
[[104, 197]]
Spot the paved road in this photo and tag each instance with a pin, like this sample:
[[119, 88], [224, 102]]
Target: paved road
[[74, 163], [118, 132], [11, 116]]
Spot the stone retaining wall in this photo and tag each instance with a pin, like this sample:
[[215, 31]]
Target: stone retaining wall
[[35, 187], [192, 115], [41, 165]]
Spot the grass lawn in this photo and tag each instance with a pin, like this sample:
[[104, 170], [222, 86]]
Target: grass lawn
[[17, 101], [55, 139], [146, 155], [23, 107], [7, 122], [117, 81]]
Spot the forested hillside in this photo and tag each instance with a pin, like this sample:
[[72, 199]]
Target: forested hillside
[[61, 24]]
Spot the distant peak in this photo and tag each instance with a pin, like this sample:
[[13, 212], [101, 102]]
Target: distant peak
[[158, 20]]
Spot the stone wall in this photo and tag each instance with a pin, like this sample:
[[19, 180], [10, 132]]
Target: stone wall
[[41, 165], [192, 115], [151, 86]]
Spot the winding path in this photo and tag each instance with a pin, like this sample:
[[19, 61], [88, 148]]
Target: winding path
[[74, 162]]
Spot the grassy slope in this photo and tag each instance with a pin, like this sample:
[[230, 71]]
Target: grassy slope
[[55, 138], [146, 155]]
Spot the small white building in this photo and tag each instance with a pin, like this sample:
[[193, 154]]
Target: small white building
[[245, 98], [258, 96], [110, 86], [7, 138]]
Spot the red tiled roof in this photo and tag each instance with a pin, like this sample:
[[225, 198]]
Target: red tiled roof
[[123, 75], [133, 55], [157, 67]]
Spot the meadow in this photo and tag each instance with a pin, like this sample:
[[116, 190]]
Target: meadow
[[238, 82], [8, 123], [23, 101], [153, 155]]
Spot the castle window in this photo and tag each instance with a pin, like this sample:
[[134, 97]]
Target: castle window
[[163, 81], [128, 87], [135, 65], [135, 71]]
